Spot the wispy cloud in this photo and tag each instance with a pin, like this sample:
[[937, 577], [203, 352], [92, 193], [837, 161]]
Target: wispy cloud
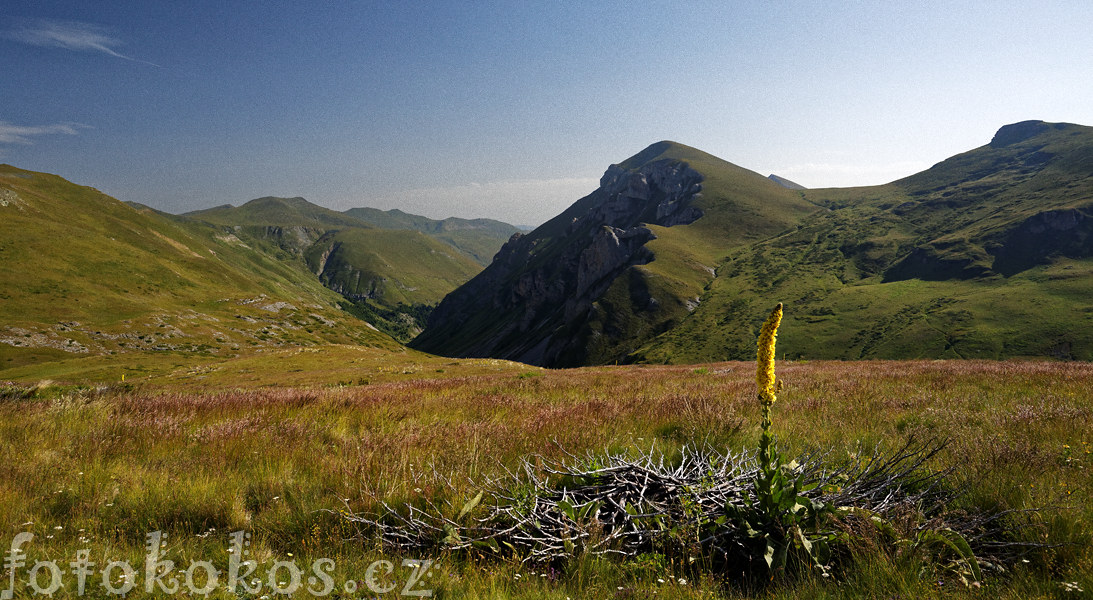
[[70, 35], [24, 134]]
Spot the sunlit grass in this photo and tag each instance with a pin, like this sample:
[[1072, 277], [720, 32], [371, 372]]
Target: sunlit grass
[[108, 467]]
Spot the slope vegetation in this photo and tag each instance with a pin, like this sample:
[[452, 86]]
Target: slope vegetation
[[84, 274], [477, 238], [678, 256], [392, 277], [987, 254], [619, 266]]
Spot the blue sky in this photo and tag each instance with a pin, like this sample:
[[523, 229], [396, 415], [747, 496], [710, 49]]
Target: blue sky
[[513, 110]]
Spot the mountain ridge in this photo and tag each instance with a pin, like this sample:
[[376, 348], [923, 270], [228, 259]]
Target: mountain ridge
[[549, 286], [986, 254], [975, 231], [674, 258]]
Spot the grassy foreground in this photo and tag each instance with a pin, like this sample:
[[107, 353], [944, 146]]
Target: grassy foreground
[[99, 468]]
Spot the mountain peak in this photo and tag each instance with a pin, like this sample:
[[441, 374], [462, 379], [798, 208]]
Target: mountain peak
[[659, 150], [1018, 132]]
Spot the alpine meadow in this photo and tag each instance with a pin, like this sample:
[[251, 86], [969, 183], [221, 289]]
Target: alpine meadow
[[279, 398]]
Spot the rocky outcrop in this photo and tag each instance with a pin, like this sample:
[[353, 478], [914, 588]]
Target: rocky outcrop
[[317, 263], [295, 239], [940, 262], [659, 193], [9, 198], [531, 302], [1018, 132], [610, 249], [1043, 236]]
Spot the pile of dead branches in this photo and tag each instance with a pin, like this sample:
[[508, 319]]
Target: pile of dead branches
[[631, 504]]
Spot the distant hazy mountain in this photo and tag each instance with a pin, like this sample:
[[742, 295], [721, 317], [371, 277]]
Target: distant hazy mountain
[[782, 181], [478, 238], [679, 255]]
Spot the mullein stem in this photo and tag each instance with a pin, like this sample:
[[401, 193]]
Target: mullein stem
[[767, 384]]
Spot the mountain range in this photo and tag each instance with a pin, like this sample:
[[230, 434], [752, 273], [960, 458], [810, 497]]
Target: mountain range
[[392, 266], [678, 256], [675, 258]]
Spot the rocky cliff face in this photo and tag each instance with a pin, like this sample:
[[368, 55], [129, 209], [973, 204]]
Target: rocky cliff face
[[530, 303]]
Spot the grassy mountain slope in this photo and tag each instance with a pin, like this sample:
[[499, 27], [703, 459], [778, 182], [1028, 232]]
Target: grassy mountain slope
[[616, 268], [392, 276], [389, 266], [477, 238], [84, 274], [739, 206], [987, 254]]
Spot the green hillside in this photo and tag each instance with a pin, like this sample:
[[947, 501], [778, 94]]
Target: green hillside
[[678, 256], [392, 277], [477, 238], [291, 223], [988, 254], [84, 275], [617, 267], [390, 267]]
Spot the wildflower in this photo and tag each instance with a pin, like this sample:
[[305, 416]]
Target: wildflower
[[764, 370]]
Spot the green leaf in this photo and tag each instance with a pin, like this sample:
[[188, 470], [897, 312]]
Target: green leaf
[[960, 545], [452, 538], [589, 510], [567, 509], [469, 506], [807, 545]]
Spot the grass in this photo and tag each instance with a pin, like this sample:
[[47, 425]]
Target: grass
[[389, 266], [477, 238], [87, 275], [93, 467]]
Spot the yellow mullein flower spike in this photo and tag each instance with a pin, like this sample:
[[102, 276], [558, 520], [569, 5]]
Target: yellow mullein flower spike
[[764, 371]]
